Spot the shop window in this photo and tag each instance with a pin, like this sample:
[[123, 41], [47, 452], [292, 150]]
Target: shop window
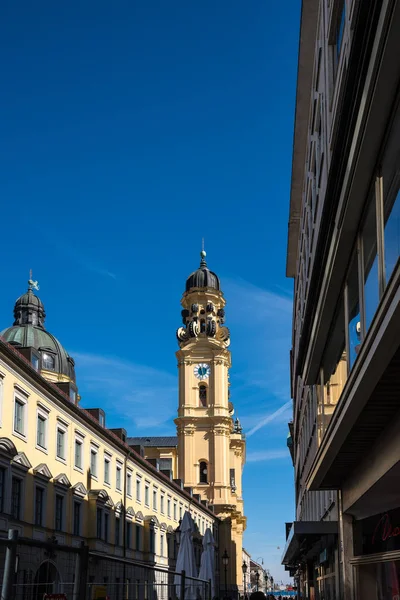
[[203, 395], [354, 328], [203, 472], [370, 264]]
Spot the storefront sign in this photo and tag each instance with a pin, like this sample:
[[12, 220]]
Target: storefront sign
[[380, 533]]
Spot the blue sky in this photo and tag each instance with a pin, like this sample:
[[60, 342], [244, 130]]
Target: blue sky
[[130, 130]]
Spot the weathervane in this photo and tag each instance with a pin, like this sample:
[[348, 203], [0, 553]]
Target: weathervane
[[33, 285]]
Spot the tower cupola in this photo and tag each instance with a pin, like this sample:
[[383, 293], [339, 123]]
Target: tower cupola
[[202, 277], [203, 302]]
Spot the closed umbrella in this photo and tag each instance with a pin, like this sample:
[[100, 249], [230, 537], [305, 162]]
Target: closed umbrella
[[186, 560], [207, 565]]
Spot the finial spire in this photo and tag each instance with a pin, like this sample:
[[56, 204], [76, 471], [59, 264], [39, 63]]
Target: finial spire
[[32, 285], [203, 255]]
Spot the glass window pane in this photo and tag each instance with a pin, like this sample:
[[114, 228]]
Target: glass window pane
[[391, 196], [392, 234], [353, 307], [371, 281]]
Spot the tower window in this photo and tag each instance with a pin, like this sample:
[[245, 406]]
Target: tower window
[[203, 472], [203, 395], [202, 326]]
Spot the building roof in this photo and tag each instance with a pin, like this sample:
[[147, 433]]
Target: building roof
[[28, 331], [154, 441], [203, 277]]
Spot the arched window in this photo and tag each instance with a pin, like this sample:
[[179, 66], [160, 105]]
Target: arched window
[[203, 472], [203, 394], [202, 326]]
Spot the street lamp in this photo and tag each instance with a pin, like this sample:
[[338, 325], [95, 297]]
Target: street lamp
[[257, 579], [225, 561], [244, 570]]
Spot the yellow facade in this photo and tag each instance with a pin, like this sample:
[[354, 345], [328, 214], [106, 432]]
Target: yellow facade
[[64, 475], [40, 431]]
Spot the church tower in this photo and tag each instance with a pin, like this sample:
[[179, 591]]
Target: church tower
[[211, 445]]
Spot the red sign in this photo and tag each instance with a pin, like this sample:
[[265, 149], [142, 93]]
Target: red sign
[[384, 529], [54, 597]]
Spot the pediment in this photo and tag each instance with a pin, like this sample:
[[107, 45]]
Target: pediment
[[99, 496], [79, 489], [139, 516], [7, 447], [163, 526], [152, 519], [42, 470], [170, 529], [130, 512], [118, 506], [62, 479], [109, 502], [21, 460]]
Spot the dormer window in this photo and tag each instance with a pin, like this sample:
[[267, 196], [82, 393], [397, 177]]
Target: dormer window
[[48, 361]]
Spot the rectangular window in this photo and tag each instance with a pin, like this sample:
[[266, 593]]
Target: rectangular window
[[169, 507], [354, 329], [146, 495], [16, 487], [118, 478], [106, 521], [152, 541], [370, 265], [59, 512], [129, 484], [154, 499], [340, 29], [137, 537], [78, 454], [99, 522], [2, 487], [392, 230], [60, 443], [162, 501], [161, 545], [180, 512], [175, 518], [106, 470], [138, 490], [39, 496], [93, 463], [19, 417], [41, 431], [117, 531], [77, 518], [128, 534]]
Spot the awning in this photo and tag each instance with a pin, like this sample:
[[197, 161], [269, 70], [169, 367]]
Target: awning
[[306, 536]]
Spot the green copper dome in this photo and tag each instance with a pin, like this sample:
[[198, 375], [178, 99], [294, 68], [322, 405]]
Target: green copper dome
[[28, 331]]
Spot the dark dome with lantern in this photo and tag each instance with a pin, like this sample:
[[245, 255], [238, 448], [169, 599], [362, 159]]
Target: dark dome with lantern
[[203, 277], [28, 331]]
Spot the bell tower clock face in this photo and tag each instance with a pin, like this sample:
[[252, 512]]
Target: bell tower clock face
[[202, 371]]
